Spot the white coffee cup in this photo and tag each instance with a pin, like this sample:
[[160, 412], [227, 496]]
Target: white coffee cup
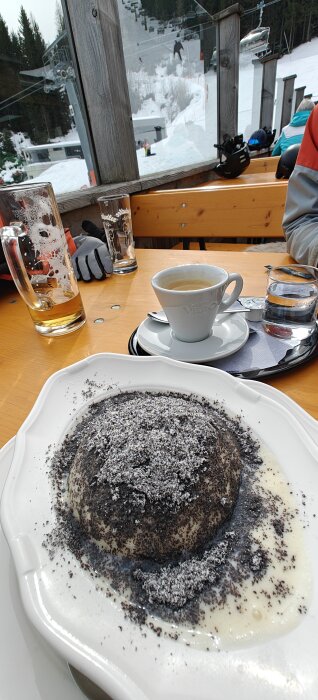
[[192, 295]]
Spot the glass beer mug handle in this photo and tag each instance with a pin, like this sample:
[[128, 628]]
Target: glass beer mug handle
[[233, 277], [11, 248]]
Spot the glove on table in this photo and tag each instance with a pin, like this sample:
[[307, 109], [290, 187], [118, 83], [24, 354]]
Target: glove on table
[[91, 260], [92, 230]]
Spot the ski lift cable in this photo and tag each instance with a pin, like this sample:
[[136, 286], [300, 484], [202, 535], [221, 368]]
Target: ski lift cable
[[203, 8], [260, 6], [168, 34], [31, 92], [21, 91], [163, 41], [147, 49], [171, 33], [50, 50], [21, 98]]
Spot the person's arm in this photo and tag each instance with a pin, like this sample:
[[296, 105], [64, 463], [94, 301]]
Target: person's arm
[[300, 222]]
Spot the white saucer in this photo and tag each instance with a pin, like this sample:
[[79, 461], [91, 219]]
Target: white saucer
[[230, 333]]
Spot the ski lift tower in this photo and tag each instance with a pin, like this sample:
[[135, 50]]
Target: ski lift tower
[[62, 77]]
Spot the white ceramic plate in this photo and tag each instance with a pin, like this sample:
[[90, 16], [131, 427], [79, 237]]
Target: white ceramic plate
[[86, 630], [230, 333], [19, 639], [29, 668]]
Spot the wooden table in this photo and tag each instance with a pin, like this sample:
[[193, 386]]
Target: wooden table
[[28, 359]]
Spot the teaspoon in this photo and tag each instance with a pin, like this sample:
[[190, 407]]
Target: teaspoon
[[161, 317]]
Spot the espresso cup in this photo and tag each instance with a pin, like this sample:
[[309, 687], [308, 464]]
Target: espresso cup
[[192, 296]]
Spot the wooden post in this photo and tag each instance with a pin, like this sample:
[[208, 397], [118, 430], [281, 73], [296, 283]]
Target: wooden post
[[298, 96], [268, 90], [278, 105], [227, 48], [98, 45], [289, 82], [257, 94], [207, 44]]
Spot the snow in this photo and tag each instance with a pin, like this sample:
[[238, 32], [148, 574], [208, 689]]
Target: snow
[[303, 63], [7, 172], [65, 176], [183, 146], [72, 135], [20, 141]]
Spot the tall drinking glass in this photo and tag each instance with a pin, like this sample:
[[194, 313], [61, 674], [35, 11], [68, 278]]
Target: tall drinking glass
[[35, 247], [116, 218]]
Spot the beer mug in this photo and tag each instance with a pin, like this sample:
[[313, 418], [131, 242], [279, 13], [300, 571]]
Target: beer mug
[[36, 251]]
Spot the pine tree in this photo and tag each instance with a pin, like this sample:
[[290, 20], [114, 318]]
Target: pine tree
[[25, 35], [9, 68], [7, 144], [5, 40], [59, 19], [11, 166], [39, 45], [44, 114], [15, 47], [31, 41]]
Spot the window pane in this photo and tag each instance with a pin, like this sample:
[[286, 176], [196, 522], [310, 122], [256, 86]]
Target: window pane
[[246, 89], [168, 49], [276, 29], [41, 125], [254, 44]]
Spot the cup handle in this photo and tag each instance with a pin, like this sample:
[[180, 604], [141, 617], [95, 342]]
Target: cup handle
[[237, 278]]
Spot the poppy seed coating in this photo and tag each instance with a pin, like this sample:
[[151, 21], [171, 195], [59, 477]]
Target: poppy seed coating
[[154, 474]]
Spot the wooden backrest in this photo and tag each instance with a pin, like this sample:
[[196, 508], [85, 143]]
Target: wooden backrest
[[232, 210], [263, 165], [246, 178]]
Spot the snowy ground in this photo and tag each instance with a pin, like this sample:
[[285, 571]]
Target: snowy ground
[[65, 176]]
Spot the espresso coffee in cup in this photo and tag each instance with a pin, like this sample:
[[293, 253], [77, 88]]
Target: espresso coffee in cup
[[186, 285], [192, 295]]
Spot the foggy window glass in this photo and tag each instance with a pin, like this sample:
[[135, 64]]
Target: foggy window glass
[[168, 48], [41, 125]]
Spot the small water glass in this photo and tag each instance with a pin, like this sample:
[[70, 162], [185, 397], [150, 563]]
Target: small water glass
[[116, 217], [291, 301]]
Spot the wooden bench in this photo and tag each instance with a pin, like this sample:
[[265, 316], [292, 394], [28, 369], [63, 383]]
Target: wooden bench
[[214, 211]]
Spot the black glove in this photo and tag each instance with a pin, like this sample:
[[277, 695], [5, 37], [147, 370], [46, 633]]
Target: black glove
[[92, 230], [91, 259]]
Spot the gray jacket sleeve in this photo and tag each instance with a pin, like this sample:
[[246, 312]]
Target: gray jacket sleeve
[[300, 222]]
